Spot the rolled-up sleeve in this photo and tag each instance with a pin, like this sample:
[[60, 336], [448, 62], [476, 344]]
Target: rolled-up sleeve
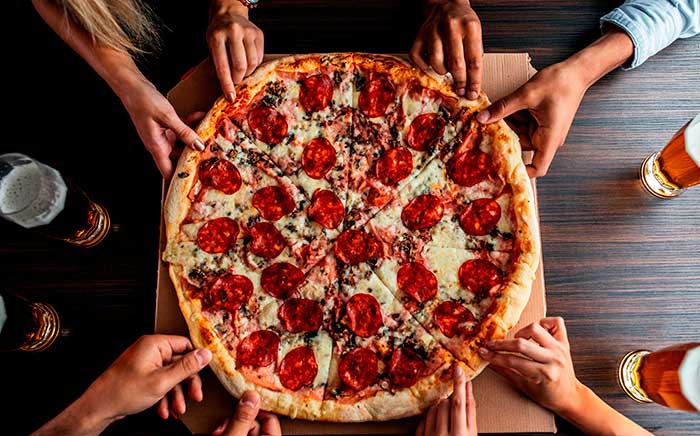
[[654, 24]]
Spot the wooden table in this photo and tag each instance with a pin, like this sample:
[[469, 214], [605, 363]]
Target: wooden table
[[621, 267]]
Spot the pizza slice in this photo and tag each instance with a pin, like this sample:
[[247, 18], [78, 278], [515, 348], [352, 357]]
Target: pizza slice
[[384, 365], [299, 115], [402, 120]]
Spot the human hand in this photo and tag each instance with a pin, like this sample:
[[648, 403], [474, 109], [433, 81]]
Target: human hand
[[236, 44], [157, 123], [248, 419], [144, 374], [455, 416], [552, 97], [450, 40], [542, 366]]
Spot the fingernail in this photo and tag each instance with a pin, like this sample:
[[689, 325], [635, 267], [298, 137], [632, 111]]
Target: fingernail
[[460, 91], [459, 372], [483, 116], [203, 356], [230, 96], [221, 426], [198, 144], [250, 399], [484, 352], [490, 344], [473, 95]]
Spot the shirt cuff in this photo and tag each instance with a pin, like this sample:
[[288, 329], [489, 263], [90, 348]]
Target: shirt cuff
[[637, 35]]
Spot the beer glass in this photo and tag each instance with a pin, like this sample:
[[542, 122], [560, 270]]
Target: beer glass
[[35, 195], [26, 326], [670, 376], [667, 173]]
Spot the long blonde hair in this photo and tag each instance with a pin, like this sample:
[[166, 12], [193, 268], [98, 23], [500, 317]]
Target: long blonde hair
[[124, 25]]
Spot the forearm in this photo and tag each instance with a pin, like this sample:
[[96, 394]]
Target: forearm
[[117, 68], [610, 51], [596, 418], [234, 7], [79, 419]]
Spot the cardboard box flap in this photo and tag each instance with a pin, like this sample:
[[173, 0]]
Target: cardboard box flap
[[500, 408]]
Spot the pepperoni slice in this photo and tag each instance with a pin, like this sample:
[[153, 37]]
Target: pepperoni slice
[[425, 131], [315, 92], [298, 368], [450, 318], [299, 315], [479, 276], [469, 168], [364, 315], [281, 279], [405, 367], [376, 96], [318, 158], [355, 246], [422, 212], [220, 174], [273, 202], [417, 281], [394, 165], [217, 235], [229, 292], [268, 242], [358, 368], [258, 349], [267, 125], [326, 209], [480, 217]]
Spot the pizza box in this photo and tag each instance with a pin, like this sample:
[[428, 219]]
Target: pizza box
[[500, 408]]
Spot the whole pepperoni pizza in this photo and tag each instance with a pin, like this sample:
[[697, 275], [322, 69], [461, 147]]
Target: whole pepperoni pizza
[[348, 235]]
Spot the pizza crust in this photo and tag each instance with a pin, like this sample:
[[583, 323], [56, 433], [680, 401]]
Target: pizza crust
[[429, 390]]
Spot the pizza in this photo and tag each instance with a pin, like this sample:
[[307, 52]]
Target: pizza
[[348, 235]]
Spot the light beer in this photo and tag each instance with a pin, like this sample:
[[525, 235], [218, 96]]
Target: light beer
[[667, 173], [670, 376], [26, 326], [35, 195]]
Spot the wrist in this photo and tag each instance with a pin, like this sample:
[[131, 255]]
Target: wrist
[[228, 7], [573, 406], [610, 51]]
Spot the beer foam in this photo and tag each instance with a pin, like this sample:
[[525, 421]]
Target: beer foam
[[31, 194], [689, 374], [692, 140]]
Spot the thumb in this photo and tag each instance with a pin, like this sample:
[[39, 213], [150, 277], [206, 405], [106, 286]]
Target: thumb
[[190, 364], [244, 417], [502, 108], [183, 132]]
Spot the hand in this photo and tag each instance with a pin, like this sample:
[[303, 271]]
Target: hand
[[541, 367], [552, 97], [248, 419], [455, 416], [451, 36], [236, 44], [157, 123], [144, 374]]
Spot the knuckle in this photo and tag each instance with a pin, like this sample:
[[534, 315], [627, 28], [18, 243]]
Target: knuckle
[[472, 26], [188, 364], [520, 345], [475, 63], [245, 414], [457, 403]]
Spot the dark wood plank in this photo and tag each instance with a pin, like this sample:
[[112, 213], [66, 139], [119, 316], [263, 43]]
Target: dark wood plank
[[621, 267]]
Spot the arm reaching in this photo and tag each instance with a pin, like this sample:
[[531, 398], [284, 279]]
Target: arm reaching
[[155, 119], [141, 377], [538, 362]]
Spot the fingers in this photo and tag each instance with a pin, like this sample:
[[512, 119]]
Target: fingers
[[437, 54], [217, 45], [163, 162], [458, 416], [189, 365], [239, 64], [431, 421], [183, 132], [260, 47], [456, 62], [473, 53], [420, 430], [546, 142], [523, 346], [442, 418], [269, 424], [193, 118], [251, 54], [471, 410], [177, 399], [556, 327], [524, 366], [218, 431], [416, 54], [163, 408], [194, 388], [503, 107], [244, 417]]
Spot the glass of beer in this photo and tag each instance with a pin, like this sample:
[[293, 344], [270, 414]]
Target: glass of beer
[[26, 326], [667, 173], [670, 376], [35, 195]]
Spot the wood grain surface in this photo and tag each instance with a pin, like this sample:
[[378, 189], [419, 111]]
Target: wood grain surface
[[621, 267]]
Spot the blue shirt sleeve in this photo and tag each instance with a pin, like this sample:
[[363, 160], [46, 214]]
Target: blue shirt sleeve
[[654, 24]]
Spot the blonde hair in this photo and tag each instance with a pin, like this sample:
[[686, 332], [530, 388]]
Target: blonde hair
[[124, 25]]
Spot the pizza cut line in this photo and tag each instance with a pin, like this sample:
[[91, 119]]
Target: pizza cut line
[[349, 234]]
